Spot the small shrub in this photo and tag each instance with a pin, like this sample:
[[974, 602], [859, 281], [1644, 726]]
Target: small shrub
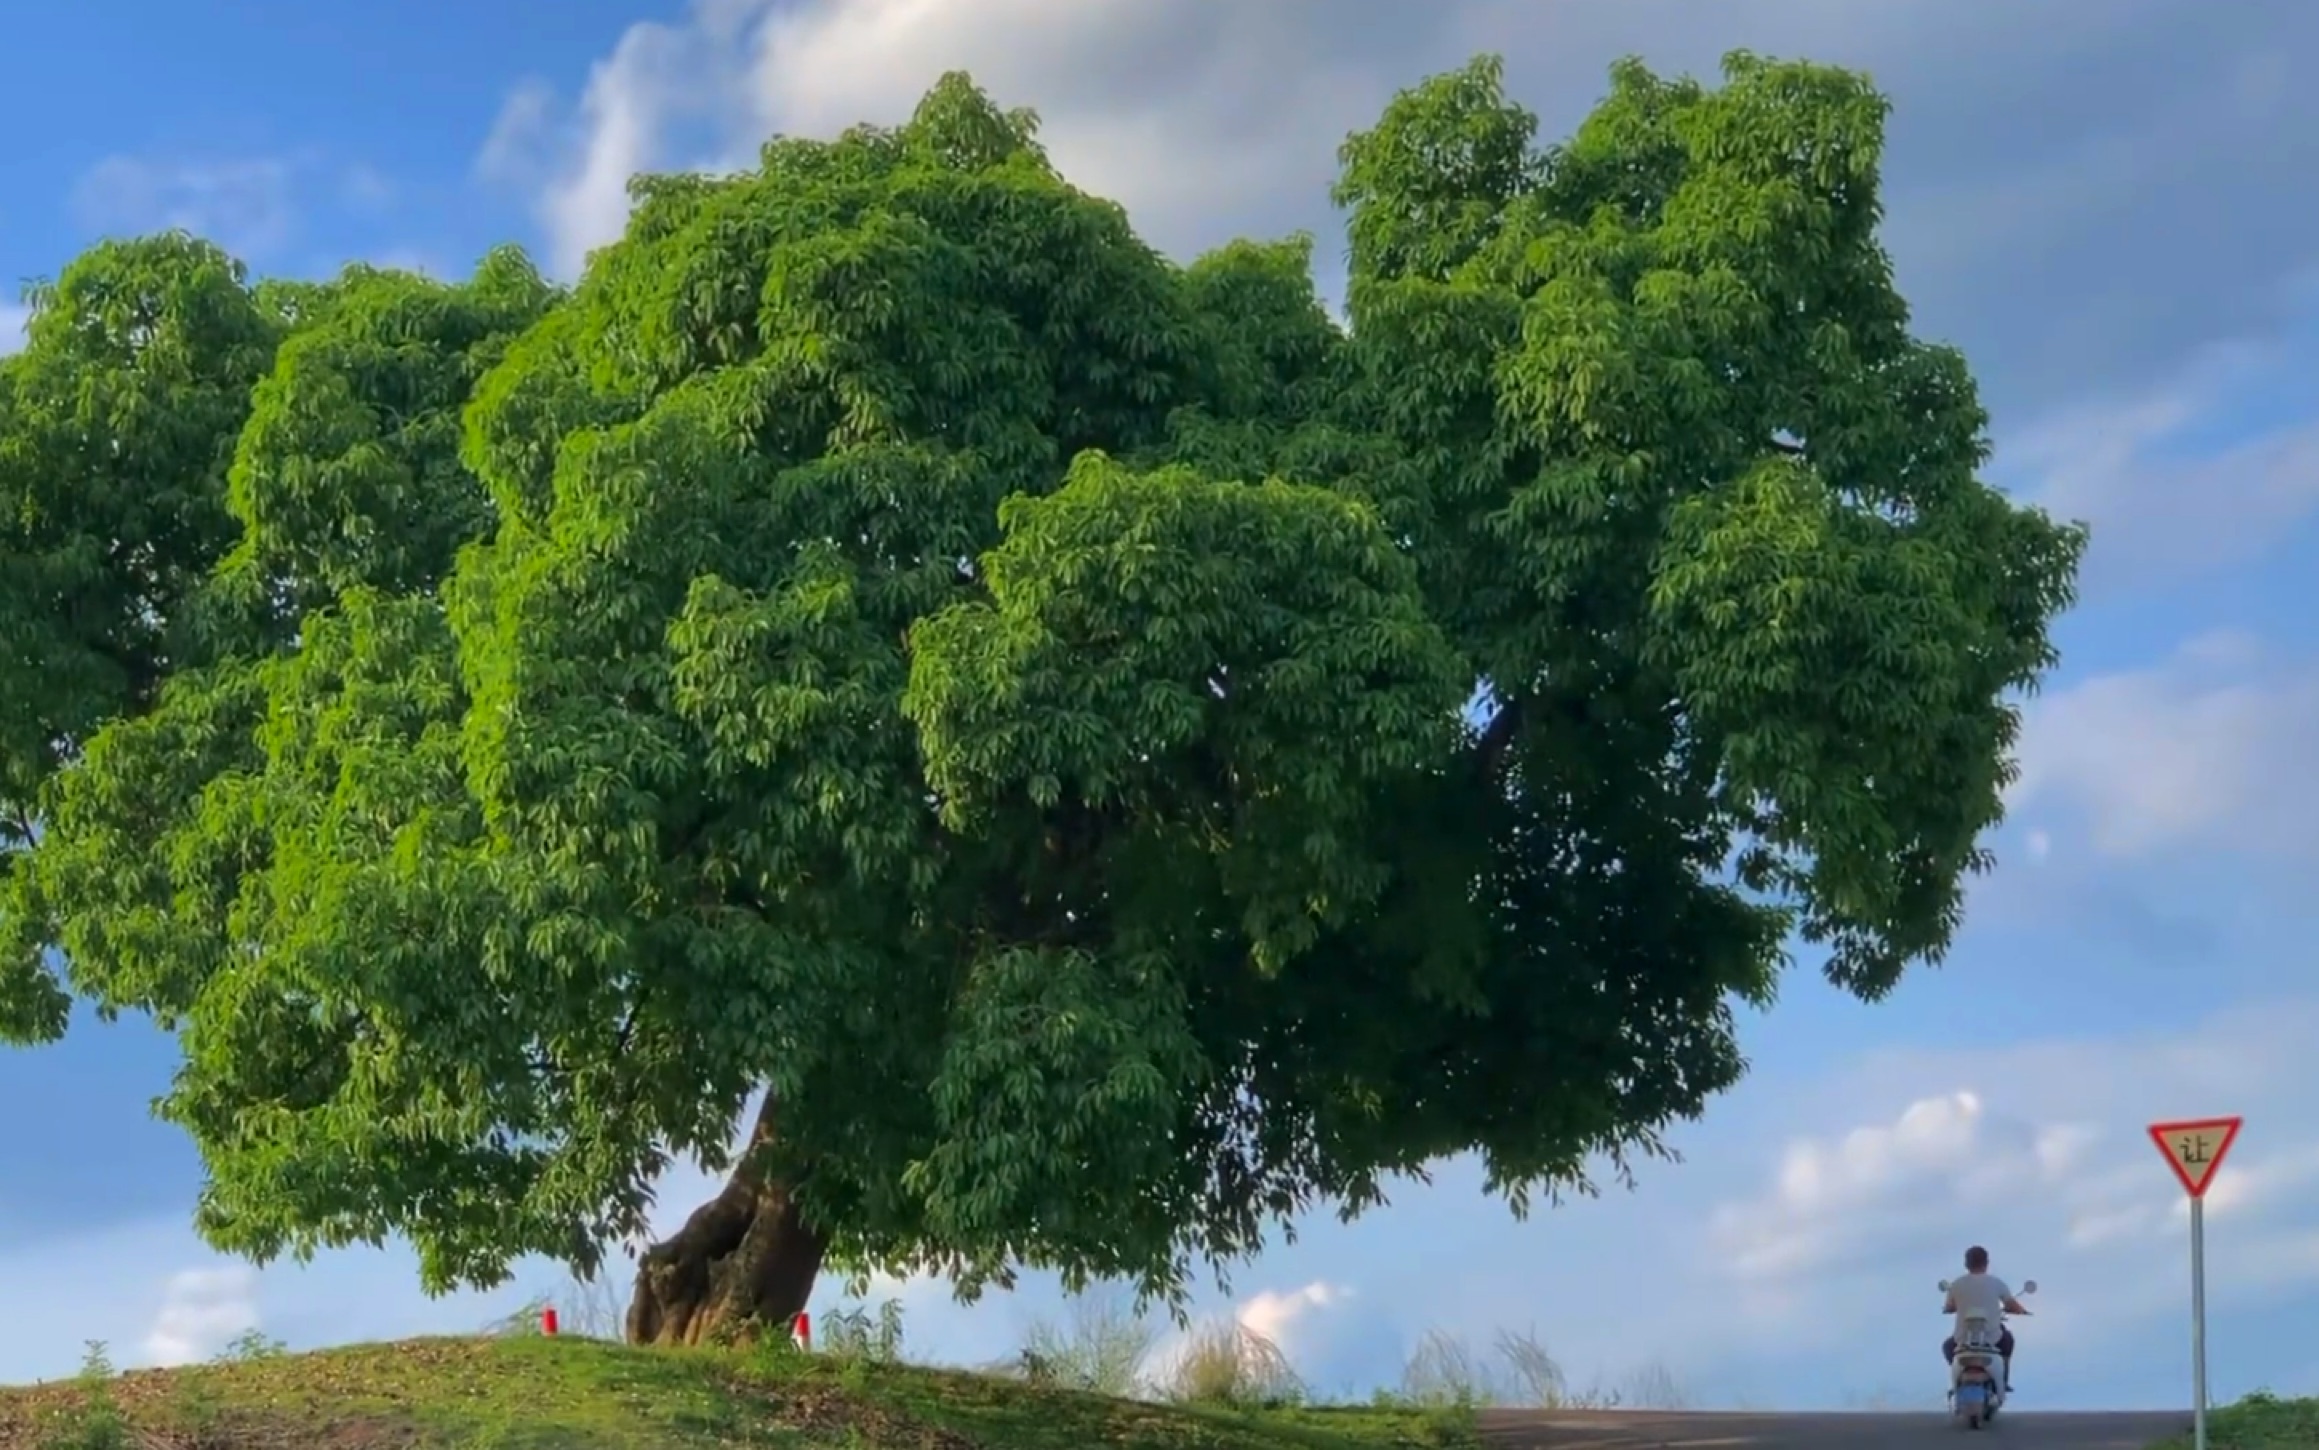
[[251, 1344], [96, 1423], [856, 1333]]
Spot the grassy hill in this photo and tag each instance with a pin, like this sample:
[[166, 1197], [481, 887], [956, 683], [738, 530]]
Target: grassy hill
[[530, 1393], [2259, 1422], [572, 1393]]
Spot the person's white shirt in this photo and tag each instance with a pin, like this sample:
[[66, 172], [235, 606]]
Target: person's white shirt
[[1979, 1296]]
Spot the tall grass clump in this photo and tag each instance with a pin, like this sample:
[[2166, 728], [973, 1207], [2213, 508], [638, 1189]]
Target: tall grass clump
[[1103, 1348], [1224, 1362]]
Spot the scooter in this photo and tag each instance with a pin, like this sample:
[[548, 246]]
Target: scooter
[[1977, 1374]]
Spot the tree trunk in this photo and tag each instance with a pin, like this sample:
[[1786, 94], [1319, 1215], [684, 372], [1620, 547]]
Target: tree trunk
[[742, 1265]]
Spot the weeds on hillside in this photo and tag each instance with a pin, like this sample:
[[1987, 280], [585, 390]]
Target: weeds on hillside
[[1445, 1371], [251, 1344], [1237, 1377], [95, 1419], [1104, 1346]]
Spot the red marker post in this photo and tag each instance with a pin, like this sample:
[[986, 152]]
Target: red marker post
[[2195, 1149], [801, 1330], [547, 1321]]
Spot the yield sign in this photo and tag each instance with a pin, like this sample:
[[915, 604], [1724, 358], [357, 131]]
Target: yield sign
[[2195, 1149]]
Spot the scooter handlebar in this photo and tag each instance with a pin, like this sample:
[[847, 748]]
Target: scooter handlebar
[[2028, 1287]]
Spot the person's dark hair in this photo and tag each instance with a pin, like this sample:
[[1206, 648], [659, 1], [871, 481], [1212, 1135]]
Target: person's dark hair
[[1976, 1260]]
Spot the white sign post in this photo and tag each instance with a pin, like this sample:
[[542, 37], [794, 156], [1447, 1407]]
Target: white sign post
[[2195, 1150]]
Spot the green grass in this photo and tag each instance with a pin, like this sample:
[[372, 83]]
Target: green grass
[[530, 1393], [2261, 1421]]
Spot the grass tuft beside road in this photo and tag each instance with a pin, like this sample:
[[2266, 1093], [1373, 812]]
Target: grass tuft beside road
[[531, 1393], [2261, 1421]]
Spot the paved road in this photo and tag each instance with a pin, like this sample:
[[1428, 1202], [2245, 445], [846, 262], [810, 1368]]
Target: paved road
[[1547, 1430]]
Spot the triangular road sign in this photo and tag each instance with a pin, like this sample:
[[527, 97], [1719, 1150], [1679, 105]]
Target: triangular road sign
[[2195, 1149]]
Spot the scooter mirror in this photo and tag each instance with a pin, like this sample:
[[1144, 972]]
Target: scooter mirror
[[2029, 1286], [1945, 1287]]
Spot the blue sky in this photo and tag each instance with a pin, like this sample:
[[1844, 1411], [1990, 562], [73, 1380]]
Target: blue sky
[[2106, 202]]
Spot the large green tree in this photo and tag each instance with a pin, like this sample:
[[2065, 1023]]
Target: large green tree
[[1104, 757]]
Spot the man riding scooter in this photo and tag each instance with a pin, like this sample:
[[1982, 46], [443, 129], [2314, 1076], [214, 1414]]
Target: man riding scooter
[[1981, 1295]]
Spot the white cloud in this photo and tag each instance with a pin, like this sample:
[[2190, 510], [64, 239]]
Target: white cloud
[[364, 188], [2164, 502], [13, 317], [1277, 1316], [657, 79], [245, 205], [523, 129], [253, 206], [1834, 1198], [203, 1311], [100, 1286], [2208, 748], [67, 1292], [1190, 116], [1203, 119], [2042, 157]]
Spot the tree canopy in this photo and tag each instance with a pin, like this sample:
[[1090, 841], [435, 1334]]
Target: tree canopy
[[1109, 756]]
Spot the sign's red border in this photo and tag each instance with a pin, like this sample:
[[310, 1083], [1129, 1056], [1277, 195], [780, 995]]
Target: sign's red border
[[2227, 1127]]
